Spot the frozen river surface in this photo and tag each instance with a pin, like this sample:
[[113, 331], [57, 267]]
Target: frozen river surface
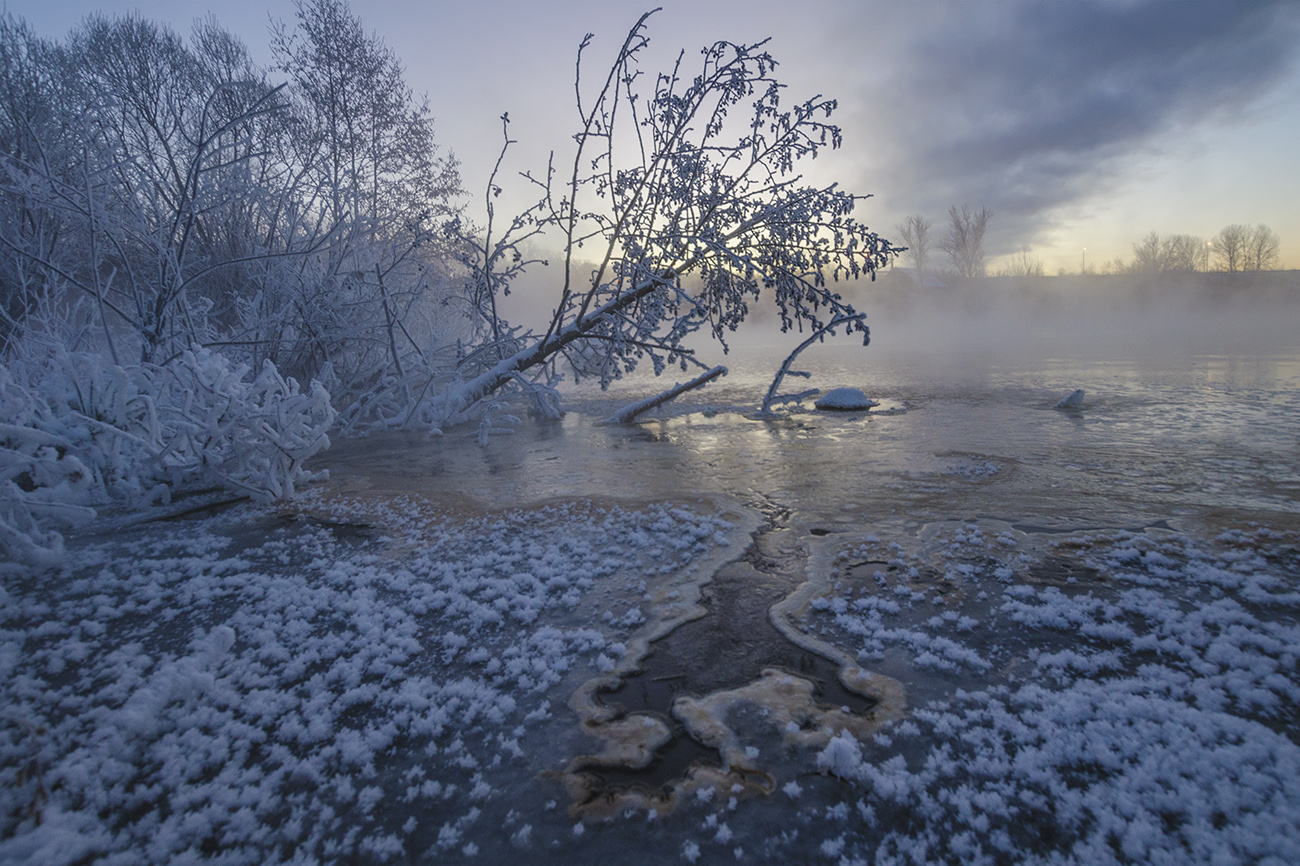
[[962, 627]]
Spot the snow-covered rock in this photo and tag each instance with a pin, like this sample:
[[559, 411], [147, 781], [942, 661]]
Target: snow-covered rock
[[845, 400], [1073, 400]]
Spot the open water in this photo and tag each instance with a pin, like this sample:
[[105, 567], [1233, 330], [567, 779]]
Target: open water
[[1173, 428]]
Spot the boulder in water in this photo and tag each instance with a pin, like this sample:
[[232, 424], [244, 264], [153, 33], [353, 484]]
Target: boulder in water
[[1073, 400], [845, 400]]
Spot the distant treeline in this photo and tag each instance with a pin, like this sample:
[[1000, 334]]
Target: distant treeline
[[1236, 248]]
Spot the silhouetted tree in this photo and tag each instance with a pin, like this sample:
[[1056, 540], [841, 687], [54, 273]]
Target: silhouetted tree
[[1261, 253], [1182, 253], [1171, 254], [1021, 265], [915, 232], [964, 242], [1230, 246]]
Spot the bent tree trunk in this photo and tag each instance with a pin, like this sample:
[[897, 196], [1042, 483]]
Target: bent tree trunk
[[771, 396], [677, 190], [449, 406]]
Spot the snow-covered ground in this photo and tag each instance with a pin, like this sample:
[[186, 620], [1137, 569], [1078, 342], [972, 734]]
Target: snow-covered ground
[[259, 690], [378, 682], [1115, 698]]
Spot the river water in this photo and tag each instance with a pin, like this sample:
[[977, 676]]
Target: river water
[[1168, 430]]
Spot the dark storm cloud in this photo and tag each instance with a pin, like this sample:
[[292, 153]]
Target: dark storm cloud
[[1024, 107]]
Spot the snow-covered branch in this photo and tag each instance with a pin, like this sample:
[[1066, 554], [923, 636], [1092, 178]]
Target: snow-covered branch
[[820, 334], [627, 413], [699, 216], [84, 434]]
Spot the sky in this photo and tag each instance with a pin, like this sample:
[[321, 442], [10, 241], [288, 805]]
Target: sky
[[1082, 126]]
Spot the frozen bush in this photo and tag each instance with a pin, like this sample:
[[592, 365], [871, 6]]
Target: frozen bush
[[83, 433], [42, 485]]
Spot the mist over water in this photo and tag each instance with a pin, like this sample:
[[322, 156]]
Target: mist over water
[[1189, 407]]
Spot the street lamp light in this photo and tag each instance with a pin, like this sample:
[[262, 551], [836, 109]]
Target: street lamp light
[[1083, 265]]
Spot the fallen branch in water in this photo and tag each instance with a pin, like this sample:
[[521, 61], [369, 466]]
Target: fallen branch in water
[[785, 367], [627, 413]]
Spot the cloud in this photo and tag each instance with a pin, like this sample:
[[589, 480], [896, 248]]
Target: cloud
[[1026, 107]]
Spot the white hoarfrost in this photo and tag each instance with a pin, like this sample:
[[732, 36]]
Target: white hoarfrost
[[1140, 709], [318, 692], [78, 433], [300, 694]]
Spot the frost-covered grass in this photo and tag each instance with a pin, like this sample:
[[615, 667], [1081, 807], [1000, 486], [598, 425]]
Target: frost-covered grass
[[1141, 708], [247, 690]]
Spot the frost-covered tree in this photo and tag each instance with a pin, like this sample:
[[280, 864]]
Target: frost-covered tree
[[683, 188], [378, 164], [142, 170], [33, 131], [373, 173], [170, 190], [168, 253], [964, 242]]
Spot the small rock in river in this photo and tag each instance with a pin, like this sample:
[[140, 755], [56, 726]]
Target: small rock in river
[[845, 400]]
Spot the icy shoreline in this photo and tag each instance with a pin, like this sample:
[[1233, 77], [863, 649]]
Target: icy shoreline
[[385, 683], [307, 694], [1112, 697]]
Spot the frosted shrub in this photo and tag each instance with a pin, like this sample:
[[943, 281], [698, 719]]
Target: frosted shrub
[[82, 433], [245, 436], [42, 486]]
